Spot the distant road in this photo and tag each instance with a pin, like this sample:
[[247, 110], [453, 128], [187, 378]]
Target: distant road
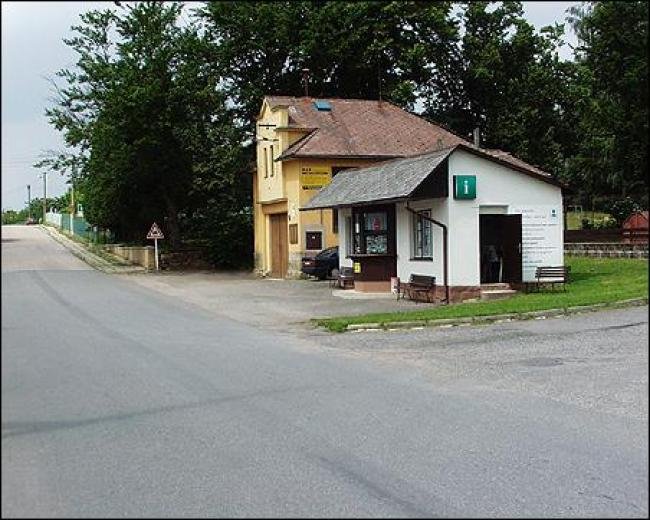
[[118, 401]]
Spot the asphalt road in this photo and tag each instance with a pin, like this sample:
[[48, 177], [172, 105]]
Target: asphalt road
[[121, 401]]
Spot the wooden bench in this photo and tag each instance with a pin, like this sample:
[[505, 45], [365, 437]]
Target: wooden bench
[[417, 285], [550, 275]]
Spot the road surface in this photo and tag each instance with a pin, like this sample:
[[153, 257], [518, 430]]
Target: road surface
[[121, 401]]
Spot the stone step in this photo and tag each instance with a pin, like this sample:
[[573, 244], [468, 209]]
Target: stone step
[[495, 286], [495, 294]]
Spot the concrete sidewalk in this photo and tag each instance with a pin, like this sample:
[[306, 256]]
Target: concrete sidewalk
[[277, 304], [115, 266]]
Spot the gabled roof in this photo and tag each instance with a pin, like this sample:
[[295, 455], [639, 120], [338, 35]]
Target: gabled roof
[[389, 180], [359, 128], [398, 179]]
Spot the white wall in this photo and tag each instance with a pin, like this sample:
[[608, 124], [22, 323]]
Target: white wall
[[498, 185], [403, 222], [499, 189], [53, 218], [344, 234]]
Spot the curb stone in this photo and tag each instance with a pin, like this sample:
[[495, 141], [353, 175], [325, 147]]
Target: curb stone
[[93, 260], [632, 302]]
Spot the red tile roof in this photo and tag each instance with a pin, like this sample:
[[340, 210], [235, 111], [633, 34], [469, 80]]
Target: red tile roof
[[370, 129], [360, 128]]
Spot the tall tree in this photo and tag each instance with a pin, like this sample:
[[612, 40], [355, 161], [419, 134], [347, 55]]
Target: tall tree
[[612, 55], [148, 125], [352, 49], [508, 80]]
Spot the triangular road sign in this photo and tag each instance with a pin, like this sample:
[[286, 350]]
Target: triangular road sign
[[155, 232]]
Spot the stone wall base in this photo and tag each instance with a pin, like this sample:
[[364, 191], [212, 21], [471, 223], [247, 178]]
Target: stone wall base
[[459, 293], [140, 255], [606, 249], [189, 259]]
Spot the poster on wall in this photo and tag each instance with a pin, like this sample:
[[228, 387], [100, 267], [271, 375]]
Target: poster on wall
[[315, 177], [541, 237]]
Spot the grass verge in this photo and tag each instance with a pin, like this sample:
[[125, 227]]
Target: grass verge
[[593, 281], [96, 249]]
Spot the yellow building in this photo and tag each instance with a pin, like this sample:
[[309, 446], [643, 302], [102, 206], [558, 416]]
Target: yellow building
[[301, 143]]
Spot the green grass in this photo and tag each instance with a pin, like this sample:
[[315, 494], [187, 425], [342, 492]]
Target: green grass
[[97, 249], [574, 219], [593, 280]]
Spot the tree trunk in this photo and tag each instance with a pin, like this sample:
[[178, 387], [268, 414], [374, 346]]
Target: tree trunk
[[172, 223]]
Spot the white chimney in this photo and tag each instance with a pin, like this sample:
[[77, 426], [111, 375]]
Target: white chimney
[[477, 136]]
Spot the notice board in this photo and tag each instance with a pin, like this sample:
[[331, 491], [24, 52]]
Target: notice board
[[541, 236]]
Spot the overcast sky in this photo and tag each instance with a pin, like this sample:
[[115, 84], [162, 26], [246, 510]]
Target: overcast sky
[[33, 49]]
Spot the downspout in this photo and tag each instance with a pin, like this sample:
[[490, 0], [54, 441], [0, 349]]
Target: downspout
[[444, 248]]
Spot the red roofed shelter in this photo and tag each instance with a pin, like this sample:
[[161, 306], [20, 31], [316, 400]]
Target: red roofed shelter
[[635, 228]]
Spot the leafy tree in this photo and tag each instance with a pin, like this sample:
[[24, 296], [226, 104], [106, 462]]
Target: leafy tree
[[352, 49], [623, 208], [612, 54], [12, 216], [509, 82], [139, 114]]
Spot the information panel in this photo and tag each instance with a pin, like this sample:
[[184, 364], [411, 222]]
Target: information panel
[[541, 236], [315, 177]]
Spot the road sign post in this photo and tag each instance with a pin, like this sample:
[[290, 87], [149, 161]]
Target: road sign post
[[155, 234]]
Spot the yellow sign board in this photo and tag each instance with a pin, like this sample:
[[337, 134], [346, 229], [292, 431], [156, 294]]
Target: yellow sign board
[[357, 267], [315, 177]]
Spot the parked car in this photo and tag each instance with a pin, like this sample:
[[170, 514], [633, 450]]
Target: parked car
[[322, 264], [30, 222]]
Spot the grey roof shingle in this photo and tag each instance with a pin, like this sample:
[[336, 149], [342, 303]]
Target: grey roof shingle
[[390, 180], [399, 178]]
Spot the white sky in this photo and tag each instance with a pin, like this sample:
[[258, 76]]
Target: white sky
[[33, 48]]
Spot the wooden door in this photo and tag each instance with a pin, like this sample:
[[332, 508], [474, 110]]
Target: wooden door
[[279, 245], [511, 236]]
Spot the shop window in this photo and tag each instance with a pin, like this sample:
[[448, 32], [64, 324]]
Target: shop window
[[421, 237], [371, 233], [314, 240], [293, 233]]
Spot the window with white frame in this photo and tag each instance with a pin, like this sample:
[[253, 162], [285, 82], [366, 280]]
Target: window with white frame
[[422, 240]]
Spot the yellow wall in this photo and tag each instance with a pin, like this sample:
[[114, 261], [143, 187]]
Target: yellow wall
[[284, 189]]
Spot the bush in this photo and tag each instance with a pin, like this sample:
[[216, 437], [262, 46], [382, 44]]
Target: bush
[[623, 208], [606, 223], [586, 224]]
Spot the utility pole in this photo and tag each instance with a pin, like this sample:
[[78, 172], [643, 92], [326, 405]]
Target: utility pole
[[44, 195], [72, 210], [29, 202]]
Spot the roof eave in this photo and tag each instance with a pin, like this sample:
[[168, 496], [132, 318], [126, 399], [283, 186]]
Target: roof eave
[[386, 200], [336, 156], [546, 178]]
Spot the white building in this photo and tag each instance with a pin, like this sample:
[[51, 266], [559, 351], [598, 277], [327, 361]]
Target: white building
[[503, 218]]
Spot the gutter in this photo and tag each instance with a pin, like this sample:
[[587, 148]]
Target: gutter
[[444, 248]]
